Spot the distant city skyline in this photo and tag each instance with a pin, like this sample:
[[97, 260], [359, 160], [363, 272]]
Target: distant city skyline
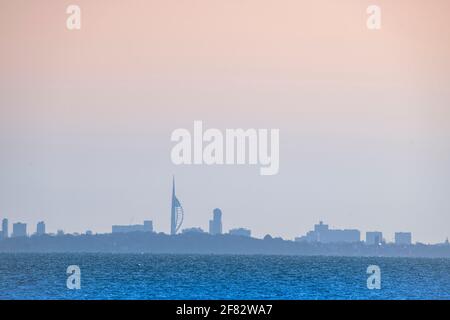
[[215, 227], [321, 232]]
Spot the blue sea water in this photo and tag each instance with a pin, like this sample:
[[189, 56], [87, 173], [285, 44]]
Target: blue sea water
[[147, 276]]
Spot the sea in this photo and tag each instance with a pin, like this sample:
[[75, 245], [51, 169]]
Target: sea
[[151, 276]]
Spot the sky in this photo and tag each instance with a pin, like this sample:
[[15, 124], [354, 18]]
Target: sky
[[86, 115]]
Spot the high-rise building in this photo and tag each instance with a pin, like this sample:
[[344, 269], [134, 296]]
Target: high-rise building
[[5, 233], [403, 238], [374, 238], [176, 213], [40, 228], [240, 232], [323, 234], [215, 225], [19, 230], [146, 227]]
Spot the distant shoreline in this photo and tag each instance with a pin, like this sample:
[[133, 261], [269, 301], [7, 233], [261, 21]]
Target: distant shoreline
[[29, 253], [202, 243]]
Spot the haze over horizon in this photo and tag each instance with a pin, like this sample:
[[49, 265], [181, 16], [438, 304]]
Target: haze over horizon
[[86, 116]]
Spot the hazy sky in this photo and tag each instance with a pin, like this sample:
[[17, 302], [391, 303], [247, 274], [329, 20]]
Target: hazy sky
[[364, 116]]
